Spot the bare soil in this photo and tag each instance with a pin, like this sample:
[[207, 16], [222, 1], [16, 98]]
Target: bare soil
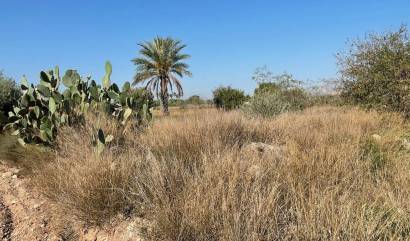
[[27, 215]]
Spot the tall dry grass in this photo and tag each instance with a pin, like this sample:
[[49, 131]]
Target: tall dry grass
[[90, 186], [194, 179]]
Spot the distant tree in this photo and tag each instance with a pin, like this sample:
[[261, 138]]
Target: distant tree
[[160, 64], [176, 102], [195, 100], [228, 98], [267, 87], [264, 76], [9, 94], [276, 94], [375, 72]]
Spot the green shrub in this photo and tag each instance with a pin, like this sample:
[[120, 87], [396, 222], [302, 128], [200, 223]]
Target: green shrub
[[176, 102], [373, 153], [266, 87], [228, 98], [268, 104], [276, 94], [376, 71], [195, 100], [9, 93]]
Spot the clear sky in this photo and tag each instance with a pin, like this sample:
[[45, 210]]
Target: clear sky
[[227, 39]]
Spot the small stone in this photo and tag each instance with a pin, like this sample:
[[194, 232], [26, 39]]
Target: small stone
[[263, 148], [113, 166], [150, 156], [376, 137], [6, 174], [254, 171], [259, 147], [406, 144], [14, 176]]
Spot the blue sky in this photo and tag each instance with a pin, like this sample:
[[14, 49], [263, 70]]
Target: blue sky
[[226, 39]]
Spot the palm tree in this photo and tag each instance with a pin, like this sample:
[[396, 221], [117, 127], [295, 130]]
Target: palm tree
[[160, 65]]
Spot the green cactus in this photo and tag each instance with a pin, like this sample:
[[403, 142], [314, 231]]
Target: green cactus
[[108, 70], [42, 109], [100, 141]]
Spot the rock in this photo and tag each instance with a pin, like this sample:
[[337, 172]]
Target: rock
[[113, 166], [6, 174], [150, 156], [254, 171], [259, 147], [406, 144], [14, 176], [263, 148], [376, 137]]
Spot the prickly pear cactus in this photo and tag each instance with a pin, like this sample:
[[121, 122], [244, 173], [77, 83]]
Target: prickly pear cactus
[[42, 109], [37, 115], [100, 140]]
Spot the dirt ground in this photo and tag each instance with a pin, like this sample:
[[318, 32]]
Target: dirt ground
[[26, 215]]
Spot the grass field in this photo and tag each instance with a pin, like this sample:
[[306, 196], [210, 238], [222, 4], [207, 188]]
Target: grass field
[[333, 173]]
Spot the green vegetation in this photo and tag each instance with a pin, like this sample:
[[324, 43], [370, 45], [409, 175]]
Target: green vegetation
[[160, 65], [9, 93], [195, 100], [228, 98], [372, 152], [310, 173], [42, 109], [276, 94], [376, 71]]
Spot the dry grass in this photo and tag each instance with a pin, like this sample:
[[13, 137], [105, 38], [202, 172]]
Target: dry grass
[[180, 111], [86, 185], [192, 178], [28, 158]]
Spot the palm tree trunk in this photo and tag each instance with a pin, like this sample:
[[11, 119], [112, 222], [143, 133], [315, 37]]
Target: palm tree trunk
[[164, 100]]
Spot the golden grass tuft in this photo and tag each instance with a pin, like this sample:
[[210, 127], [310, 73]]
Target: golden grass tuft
[[89, 186]]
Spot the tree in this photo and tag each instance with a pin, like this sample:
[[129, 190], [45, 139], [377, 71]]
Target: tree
[[195, 100], [268, 81], [275, 94], [228, 98], [375, 72], [160, 64], [9, 93]]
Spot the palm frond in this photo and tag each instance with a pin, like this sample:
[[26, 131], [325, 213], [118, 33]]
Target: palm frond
[[159, 60]]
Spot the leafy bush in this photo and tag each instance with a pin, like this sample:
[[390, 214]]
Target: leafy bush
[[42, 109], [269, 104], [267, 87], [376, 71], [228, 98], [266, 105], [276, 94], [176, 102], [195, 100], [9, 94]]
